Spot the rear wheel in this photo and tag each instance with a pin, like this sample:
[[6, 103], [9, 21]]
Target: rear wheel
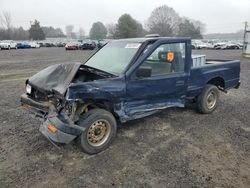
[[208, 99], [100, 130]]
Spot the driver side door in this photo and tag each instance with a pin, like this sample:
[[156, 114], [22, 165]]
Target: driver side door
[[165, 86]]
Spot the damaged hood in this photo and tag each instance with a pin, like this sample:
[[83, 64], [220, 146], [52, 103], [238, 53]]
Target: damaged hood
[[55, 78]]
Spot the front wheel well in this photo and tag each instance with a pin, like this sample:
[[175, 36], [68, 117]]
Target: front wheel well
[[217, 81], [102, 104]]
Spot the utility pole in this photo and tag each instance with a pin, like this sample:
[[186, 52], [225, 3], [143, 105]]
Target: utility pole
[[245, 31], [246, 42]]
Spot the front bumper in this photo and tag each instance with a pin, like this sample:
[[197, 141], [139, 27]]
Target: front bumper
[[63, 132], [37, 108]]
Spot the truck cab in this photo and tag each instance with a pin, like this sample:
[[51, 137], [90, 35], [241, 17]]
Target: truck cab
[[126, 79]]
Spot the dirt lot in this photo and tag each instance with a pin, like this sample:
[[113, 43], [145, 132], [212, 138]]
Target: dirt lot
[[175, 148]]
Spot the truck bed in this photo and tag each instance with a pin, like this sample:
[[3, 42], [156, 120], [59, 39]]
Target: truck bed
[[227, 72]]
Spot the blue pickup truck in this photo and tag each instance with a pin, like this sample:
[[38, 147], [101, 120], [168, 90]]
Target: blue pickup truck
[[126, 79]]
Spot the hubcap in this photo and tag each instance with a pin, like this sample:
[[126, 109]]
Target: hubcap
[[98, 132], [211, 100]]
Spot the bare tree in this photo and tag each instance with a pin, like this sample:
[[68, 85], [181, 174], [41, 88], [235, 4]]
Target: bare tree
[[164, 21], [5, 20], [69, 30]]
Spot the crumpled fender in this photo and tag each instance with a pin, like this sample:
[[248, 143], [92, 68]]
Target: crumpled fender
[[108, 89], [87, 92]]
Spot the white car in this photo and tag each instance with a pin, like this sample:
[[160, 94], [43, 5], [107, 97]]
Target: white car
[[231, 46], [210, 45], [34, 45], [201, 45], [8, 44], [219, 45]]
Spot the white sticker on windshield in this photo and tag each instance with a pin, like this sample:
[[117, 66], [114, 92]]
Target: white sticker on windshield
[[133, 45]]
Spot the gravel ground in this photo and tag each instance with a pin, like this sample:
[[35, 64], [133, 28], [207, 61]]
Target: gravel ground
[[174, 148]]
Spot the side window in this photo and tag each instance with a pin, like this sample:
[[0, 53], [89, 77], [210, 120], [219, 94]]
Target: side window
[[166, 59]]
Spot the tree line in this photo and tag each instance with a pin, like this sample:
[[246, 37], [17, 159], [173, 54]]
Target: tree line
[[36, 32], [163, 20]]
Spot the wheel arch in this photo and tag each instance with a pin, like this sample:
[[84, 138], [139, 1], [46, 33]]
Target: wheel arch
[[217, 81], [102, 104]]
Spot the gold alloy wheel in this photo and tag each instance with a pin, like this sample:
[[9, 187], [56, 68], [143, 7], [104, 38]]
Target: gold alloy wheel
[[211, 100], [98, 132]]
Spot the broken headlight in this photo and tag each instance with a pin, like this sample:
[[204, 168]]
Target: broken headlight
[[28, 89]]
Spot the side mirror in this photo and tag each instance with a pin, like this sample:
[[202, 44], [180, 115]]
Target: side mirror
[[143, 72]]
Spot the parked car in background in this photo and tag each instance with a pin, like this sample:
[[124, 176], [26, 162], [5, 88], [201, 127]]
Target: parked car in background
[[34, 45], [49, 44], [42, 44], [8, 44], [87, 45], [240, 44], [219, 45], [23, 45], [209, 45], [72, 46], [193, 46], [231, 46], [101, 43], [201, 45], [60, 44], [198, 44]]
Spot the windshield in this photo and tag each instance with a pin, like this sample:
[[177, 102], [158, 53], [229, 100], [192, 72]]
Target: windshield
[[114, 57]]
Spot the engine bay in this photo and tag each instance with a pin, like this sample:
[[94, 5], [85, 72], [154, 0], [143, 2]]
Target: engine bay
[[87, 74]]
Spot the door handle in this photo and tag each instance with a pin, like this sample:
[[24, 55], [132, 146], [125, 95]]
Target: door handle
[[179, 83]]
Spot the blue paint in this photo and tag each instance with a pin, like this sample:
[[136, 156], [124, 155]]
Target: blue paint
[[128, 97], [135, 98]]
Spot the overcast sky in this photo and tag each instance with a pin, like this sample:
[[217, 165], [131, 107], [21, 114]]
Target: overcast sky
[[218, 15]]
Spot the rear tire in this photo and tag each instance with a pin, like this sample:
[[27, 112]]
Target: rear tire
[[100, 131], [208, 99]]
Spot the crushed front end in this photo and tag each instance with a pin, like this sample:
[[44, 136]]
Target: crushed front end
[[58, 123], [44, 98]]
